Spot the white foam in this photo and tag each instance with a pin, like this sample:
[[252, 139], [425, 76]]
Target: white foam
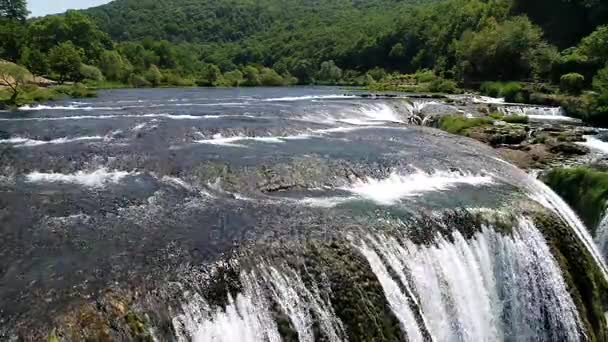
[[595, 144], [113, 116], [72, 107], [25, 142], [390, 190], [553, 118], [491, 287], [308, 97], [219, 139], [248, 316], [488, 100], [92, 179], [541, 193]]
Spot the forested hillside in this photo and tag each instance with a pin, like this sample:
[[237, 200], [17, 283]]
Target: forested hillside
[[453, 43]]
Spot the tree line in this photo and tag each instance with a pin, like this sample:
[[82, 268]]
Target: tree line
[[283, 42]]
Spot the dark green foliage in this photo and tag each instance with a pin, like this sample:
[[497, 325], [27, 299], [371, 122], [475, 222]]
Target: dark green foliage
[[600, 81], [154, 76], [511, 91], [35, 61], [65, 60], [14, 9], [90, 73], [500, 50], [572, 83], [585, 281], [443, 86], [585, 189]]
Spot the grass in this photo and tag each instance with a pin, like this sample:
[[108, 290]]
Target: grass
[[32, 94], [459, 124]]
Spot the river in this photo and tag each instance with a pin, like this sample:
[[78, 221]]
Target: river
[[271, 214]]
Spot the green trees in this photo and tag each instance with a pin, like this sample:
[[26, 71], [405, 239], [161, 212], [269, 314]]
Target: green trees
[[251, 76], [14, 9], [329, 72], [600, 81], [501, 51], [210, 76], [65, 60], [154, 76], [572, 83], [35, 61], [13, 77], [113, 66], [90, 73]]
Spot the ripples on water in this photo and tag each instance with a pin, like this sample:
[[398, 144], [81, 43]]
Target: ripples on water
[[138, 181]]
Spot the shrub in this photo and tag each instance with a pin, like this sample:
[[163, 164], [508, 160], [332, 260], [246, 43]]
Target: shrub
[[90, 73], [585, 189], [440, 85], [424, 76], [458, 124], [77, 90], [138, 81], [572, 83], [511, 91], [600, 81], [516, 119]]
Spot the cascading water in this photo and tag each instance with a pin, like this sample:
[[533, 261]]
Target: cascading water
[[487, 287], [279, 215], [601, 236]]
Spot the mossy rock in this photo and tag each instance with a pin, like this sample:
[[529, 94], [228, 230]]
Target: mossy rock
[[584, 278], [583, 188]]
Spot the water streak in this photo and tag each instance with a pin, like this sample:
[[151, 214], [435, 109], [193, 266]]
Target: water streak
[[489, 288]]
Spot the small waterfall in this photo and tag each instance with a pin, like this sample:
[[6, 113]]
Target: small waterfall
[[541, 193], [249, 318], [601, 236], [489, 288], [531, 110]]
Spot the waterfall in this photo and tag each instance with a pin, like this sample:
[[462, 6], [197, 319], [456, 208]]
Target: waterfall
[[489, 288], [601, 235], [541, 193], [249, 318], [531, 111]]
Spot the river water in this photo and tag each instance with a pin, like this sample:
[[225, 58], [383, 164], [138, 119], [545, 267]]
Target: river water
[[157, 194]]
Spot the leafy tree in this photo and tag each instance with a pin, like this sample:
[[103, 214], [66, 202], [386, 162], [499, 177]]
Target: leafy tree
[[572, 83], [600, 81], [114, 66], [595, 46], [154, 76], [329, 72], [65, 60], [35, 61], [90, 73], [210, 76], [14, 9], [271, 78], [138, 81], [251, 76], [499, 50], [14, 77], [13, 36], [47, 32], [234, 78]]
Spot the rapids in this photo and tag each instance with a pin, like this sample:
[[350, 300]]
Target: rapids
[[277, 215]]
